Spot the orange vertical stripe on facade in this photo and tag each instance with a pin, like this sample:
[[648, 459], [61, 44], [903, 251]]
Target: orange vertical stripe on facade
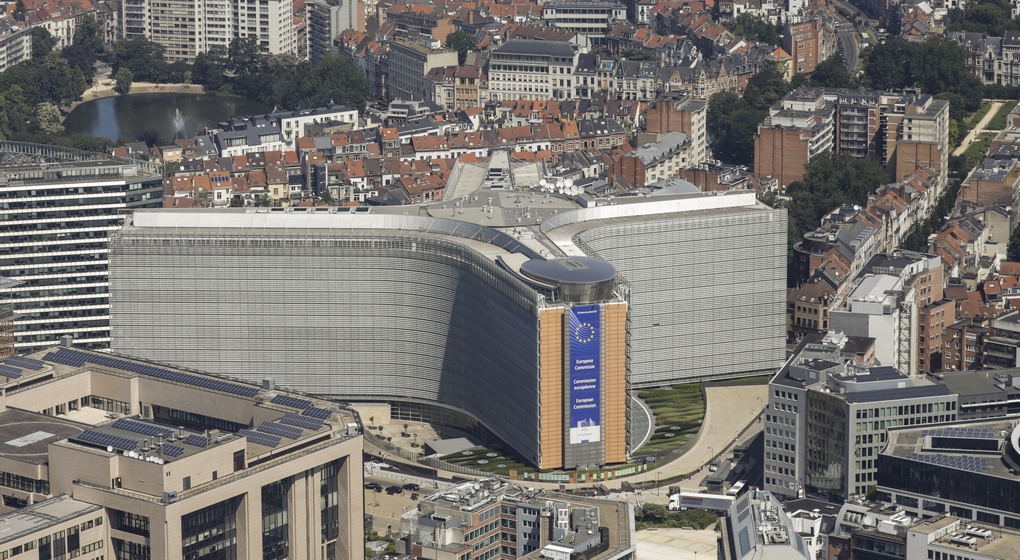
[[551, 384]]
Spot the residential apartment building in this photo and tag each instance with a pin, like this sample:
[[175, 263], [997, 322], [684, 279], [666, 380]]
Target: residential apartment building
[[529, 69], [329, 18], [141, 461], [803, 42], [828, 413], [905, 130], [796, 130], [188, 28], [653, 162], [914, 133], [59, 206], [409, 64], [15, 44], [592, 18], [678, 111]]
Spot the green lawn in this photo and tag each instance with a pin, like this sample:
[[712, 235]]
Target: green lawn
[[998, 122], [979, 114], [678, 414], [975, 153], [488, 460]]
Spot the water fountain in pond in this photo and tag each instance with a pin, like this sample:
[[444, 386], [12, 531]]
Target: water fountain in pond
[[178, 124]]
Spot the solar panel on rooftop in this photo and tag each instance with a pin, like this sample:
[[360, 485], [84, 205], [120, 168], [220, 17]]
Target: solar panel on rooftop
[[197, 441], [77, 358], [171, 450], [302, 421], [24, 363], [320, 413], [259, 439], [280, 430], [100, 438], [9, 372], [142, 428]]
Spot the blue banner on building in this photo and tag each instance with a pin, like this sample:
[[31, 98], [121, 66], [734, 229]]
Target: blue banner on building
[[585, 374]]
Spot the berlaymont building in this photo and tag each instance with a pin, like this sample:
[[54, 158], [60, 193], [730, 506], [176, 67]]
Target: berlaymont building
[[502, 309]]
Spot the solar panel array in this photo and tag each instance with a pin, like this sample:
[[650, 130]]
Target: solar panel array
[[278, 430], [964, 463], [321, 413], [171, 450], [9, 372], [291, 401], [197, 441], [302, 421], [970, 433], [142, 428], [116, 442], [259, 439], [76, 358], [24, 363]]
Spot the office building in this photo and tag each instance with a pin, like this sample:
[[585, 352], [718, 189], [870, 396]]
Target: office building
[[173, 464], [496, 519], [410, 62], [592, 18], [758, 526], [966, 470], [507, 284], [188, 28], [327, 19], [59, 206], [828, 413], [530, 69]]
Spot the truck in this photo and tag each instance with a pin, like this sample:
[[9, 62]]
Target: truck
[[712, 502]]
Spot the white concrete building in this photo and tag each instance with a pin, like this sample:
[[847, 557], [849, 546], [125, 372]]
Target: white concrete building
[[532, 70]]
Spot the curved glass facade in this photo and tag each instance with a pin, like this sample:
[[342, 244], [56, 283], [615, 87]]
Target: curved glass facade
[[707, 292], [393, 317]]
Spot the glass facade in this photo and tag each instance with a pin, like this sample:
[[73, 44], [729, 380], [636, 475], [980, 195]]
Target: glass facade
[[827, 444], [385, 317], [707, 293], [329, 506], [210, 533], [936, 481], [275, 543]]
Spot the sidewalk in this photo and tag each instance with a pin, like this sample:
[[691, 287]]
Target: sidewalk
[[969, 138], [728, 410]]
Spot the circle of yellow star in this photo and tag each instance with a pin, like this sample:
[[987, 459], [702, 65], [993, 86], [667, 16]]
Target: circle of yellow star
[[588, 334]]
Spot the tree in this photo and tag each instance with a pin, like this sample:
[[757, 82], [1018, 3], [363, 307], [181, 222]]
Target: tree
[[831, 180], [245, 55], [209, 67], [144, 58], [733, 125], [767, 86], [831, 73], [756, 29], [49, 118], [462, 43], [1013, 249], [123, 78], [638, 54], [42, 42], [86, 48]]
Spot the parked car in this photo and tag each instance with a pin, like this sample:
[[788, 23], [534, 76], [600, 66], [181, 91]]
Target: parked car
[[414, 497], [373, 486], [412, 487], [394, 490]]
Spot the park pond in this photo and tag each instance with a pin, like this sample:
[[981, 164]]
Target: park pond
[[171, 114]]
